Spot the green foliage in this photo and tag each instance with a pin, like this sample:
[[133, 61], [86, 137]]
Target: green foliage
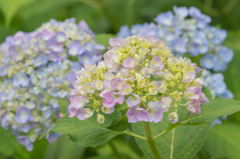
[[10, 147], [207, 93], [10, 8], [223, 141], [232, 75], [104, 39], [5, 32], [211, 111], [105, 151], [181, 142], [88, 132], [63, 148], [39, 149], [85, 133], [120, 124]]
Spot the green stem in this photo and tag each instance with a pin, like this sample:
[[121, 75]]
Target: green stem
[[115, 151], [159, 135], [150, 140], [135, 135], [165, 131]]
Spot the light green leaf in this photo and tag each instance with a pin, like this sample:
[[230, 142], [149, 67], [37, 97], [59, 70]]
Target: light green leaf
[[223, 141], [181, 142], [88, 132], [10, 8], [211, 111], [104, 39]]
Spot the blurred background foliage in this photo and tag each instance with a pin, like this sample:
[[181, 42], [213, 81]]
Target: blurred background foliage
[[107, 16]]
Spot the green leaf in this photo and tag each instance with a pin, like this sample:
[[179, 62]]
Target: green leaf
[[10, 8], [63, 149], [181, 142], [88, 132], [211, 111], [104, 39], [120, 124], [223, 141]]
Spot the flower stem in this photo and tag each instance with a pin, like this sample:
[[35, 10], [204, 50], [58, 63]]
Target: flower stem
[[167, 130], [159, 135], [115, 151], [150, 140], [135, 135]]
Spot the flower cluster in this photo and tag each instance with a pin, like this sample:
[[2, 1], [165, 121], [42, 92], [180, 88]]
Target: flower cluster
[[193, 35], [143, 73], [36, 71], [215, 83]]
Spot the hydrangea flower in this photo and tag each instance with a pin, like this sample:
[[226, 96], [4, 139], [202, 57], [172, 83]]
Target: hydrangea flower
[[142, 73], [36, 71], [215, 83], [187, 31]]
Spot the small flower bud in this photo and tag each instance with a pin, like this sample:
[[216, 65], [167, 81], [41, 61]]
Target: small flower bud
[[100, 118], [176, 96], [173, 117], [179, 75], [162, 88], [180, 86], [172, 84]]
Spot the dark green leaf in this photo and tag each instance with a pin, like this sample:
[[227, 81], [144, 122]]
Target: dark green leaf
[[120, 124], [87, 133]]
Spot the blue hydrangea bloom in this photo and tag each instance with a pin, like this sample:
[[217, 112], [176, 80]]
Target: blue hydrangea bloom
[[187, 31], [215, 83], [36, 71]]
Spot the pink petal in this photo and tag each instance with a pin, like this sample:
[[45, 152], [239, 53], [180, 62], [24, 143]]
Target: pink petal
[[141, 114], [84, 113], [117, 83], [114, 42], [108, 96], [157, 64], [131, 115], [130, 63], [188, 77], [118, 98], [126, 90], [133, 100], [72, 112], [108, 104]]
